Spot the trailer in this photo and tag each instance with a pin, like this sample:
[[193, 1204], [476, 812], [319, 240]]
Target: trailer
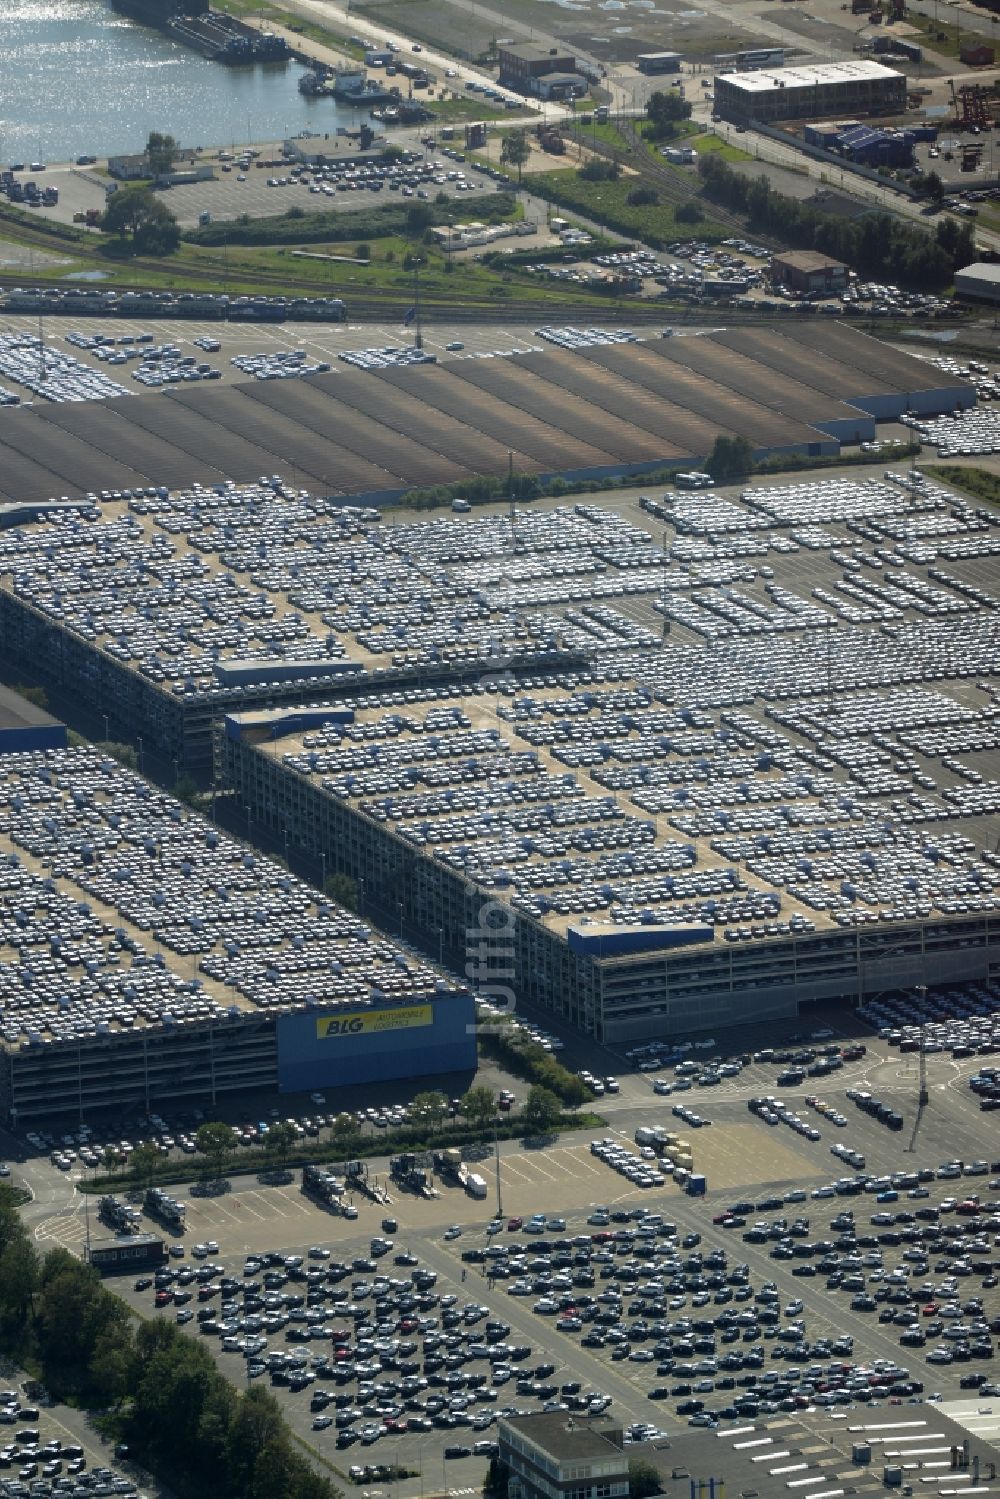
[[119, 1215], [450, 1167], [321, 1185], [166, 1209], [412, 1173], [127, 1254]]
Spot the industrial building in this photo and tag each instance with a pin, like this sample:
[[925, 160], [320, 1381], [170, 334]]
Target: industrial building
[[542, 72], [728, 813], [659, 62], [610, 409], [979, 282], [810, 92], [808, 271]]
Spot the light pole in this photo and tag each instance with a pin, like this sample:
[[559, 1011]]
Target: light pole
[[107, 731], [418, 337], [142, 759]]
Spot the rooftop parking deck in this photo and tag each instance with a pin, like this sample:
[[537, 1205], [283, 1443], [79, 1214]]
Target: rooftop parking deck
[[124, 911]]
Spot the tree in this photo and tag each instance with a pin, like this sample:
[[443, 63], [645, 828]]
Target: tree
[[515, 150], [216, 1141], [137, 212], [344, 1131], [279, 1140], [73, 1307], [20, 1275], [643, 1479], [642, 197], [143, 1163], [123, 753], [161, 151], [665, 111], [111, 1362], [730, 458], [342, 889], [479, 1105], [429, 1109], [255, 1425], [419, 218], [496, 1480], [689, 212], [596, 170], [541, 1109]]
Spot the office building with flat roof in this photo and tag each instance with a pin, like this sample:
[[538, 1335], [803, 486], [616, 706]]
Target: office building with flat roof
[[814, 92]]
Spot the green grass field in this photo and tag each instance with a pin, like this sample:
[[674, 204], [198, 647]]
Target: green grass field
[[704, 144], [607, 203]]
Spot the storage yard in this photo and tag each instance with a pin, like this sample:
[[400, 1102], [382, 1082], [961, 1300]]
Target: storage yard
[[605, 410]]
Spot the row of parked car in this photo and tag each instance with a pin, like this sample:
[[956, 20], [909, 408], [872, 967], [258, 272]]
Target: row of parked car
[[379, 1350]]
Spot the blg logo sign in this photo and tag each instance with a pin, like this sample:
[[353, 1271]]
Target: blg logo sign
[[373, 1022]]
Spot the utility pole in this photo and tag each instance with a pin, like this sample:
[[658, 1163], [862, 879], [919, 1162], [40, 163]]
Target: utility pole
[[496, 1154]]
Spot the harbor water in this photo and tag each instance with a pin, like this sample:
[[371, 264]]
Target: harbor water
[[77, 78]]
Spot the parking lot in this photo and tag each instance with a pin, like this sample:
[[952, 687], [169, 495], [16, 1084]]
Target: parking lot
[[322, 343], [347, 183], [647, 1295]]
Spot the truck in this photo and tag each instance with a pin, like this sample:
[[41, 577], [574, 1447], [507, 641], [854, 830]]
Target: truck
[[475, 1185], [118, 1215], [321, 1185], [160, 1205], [412, 1173], [450, 1167], [696, 1186]]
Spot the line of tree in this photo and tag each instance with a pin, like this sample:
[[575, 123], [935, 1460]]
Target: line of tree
[[332, 226], [876, 245], [525, 1058], [161, 1391]]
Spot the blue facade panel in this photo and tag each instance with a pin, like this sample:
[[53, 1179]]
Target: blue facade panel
[[613, 942], [334, 1048], [33, 737]]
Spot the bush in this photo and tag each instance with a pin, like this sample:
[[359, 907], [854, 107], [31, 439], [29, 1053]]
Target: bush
[[596, 170], [640, 196], [689, 213]]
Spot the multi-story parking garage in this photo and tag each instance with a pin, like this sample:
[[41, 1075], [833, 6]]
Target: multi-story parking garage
[[786, 799]]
